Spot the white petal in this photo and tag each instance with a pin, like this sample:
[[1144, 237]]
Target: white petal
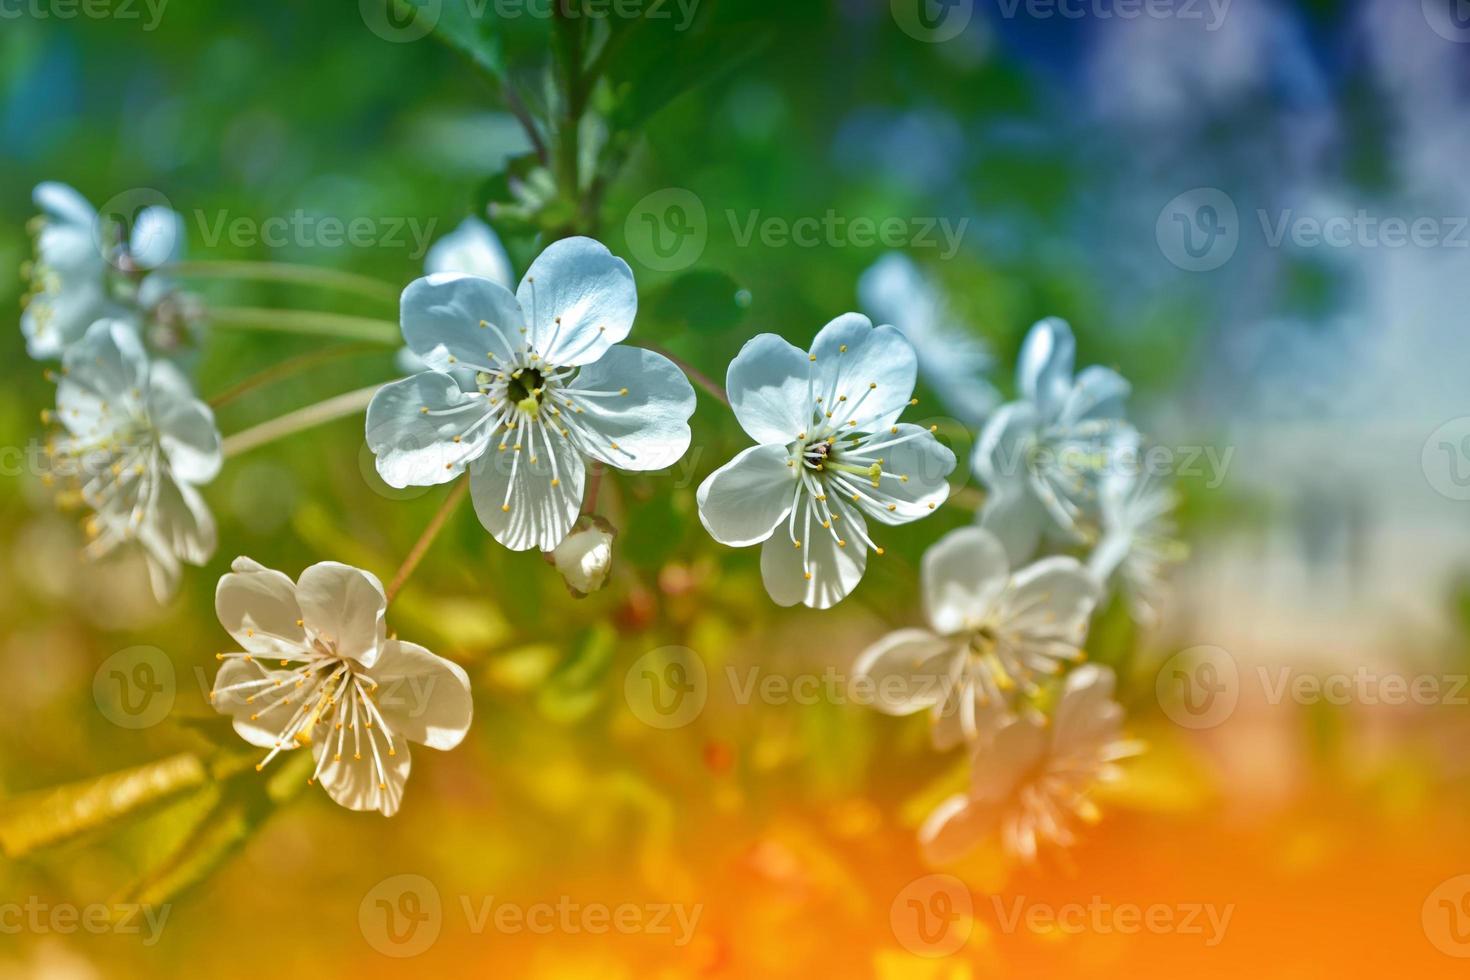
[[741, 503], [178, 526], [414, 447], [954, 829], [1013, 756], [851, 357], [927, 464], [472, 249], [1053, 597], [906, 671], [650, 424], [185, 425], [770, 391], [451, 319], [1014, 515], [157, 237], [1098, 394], [259, 711], [355, 783], [63, 203], [423, 697], [106, 375], [514, 496], [964, 572], [835, 570], [579, 299], [1044, 366], [257, 606], [344, 606]]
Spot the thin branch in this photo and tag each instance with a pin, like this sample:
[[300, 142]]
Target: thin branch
[[695, 375], [286, 272], [286, 368], [421, 546], [299, 421], [308, 322]]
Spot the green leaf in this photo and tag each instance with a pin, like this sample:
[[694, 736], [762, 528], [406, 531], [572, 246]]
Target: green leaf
[[457, 26], [48, 816], [240, 807]]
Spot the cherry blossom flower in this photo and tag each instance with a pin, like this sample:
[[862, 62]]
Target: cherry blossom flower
[[1042, 456], [317, 670], [1031, 782], [831, 455], [553, 389], [82, 273], [135, 443], [991, 634]]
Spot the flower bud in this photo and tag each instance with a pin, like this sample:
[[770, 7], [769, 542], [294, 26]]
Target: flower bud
[[585, 555]]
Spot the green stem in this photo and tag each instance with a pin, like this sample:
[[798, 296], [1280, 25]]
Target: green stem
[[306, 322], [421, 546], [299, 421], [285, 272], [286, 368]]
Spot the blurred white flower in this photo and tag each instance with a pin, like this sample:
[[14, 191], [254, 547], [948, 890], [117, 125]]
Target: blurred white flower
[[951, 360], [472, 249], [991, 633], [317, 669], [82, 272], [830, 452], [1138, 541], [1041, 457], [585, 555], [1032, 781], [552, 389], [136, 442]]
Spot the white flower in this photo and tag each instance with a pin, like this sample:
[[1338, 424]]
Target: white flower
[[318, 669], [137, 442], [81, 274], [585, 555], [472, 249], [1034, 778], [831, 453], [552, 390], [991, 633], [1138, 539], [951, 360], [1040, 457]]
